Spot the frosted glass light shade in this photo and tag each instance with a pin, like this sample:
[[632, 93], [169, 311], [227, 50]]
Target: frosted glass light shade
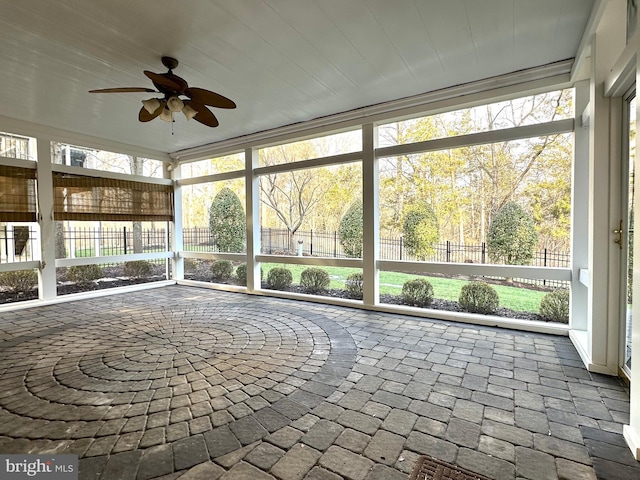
[[166, 115], [189, 112], [151, 105], [175, 104]]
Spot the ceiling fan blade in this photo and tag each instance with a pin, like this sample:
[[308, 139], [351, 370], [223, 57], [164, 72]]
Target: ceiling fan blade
[[122, 90], [167, 82], [145, 116], [204, 115], [207, 97]]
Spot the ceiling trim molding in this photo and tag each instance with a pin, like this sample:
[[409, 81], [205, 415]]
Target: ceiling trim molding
[[21, 127], [584, 48], [512, 84]]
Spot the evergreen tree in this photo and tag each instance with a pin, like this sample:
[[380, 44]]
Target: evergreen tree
[[421, 230], [227, 221], [350, 231], [512, 236]]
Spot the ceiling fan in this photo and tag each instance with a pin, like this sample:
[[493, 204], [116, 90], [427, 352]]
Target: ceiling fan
[[173, 87]]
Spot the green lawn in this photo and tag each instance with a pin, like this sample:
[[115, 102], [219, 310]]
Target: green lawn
[[515, 298]]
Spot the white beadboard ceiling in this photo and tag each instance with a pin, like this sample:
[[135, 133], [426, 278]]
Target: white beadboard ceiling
[[281, 61]]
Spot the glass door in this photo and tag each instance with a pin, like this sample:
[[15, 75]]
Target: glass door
[[627, 225]]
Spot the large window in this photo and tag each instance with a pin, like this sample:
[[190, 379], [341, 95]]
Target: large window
[[329, 145], [519, 112], [17, 146], [301, 211], [504, 203], [78, 156], [211, 166]]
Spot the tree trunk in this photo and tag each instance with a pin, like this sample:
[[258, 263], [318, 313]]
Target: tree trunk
[[137, 167], [137, 237], [61, 249]]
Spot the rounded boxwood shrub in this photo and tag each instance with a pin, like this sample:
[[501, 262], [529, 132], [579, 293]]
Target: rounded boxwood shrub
[[84, 274], [479, 297], [353, 285], [221, 270], [279, 278], [138, 269], [19, 280], [417, 292], [241, 274], [314, 280], [554, 306]]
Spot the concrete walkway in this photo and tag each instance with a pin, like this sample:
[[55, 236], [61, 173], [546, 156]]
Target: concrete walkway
[[189, 383]]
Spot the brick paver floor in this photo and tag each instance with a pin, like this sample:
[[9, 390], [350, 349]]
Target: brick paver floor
[[189, 383]]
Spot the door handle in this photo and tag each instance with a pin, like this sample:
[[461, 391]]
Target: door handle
[[619, 233]]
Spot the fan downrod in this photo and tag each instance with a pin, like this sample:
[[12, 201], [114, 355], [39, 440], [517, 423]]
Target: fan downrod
[[169, 62]]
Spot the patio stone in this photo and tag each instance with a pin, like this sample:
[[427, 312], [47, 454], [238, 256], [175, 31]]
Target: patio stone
[[235, 386]]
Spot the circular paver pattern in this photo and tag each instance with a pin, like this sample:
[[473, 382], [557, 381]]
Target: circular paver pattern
[[139, 370]]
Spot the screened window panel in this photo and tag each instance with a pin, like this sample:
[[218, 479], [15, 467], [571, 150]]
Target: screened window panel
[[78, 197], [17, 194]]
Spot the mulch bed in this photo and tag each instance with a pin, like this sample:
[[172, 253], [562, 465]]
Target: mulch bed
[[202, 273]]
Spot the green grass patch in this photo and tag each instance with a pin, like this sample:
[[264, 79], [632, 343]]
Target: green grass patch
[[516, 298]]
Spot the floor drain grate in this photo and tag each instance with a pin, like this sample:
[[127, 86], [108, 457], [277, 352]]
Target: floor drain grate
[[429, 468]]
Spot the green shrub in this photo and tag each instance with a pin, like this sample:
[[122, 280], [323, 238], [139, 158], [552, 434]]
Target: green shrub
[[19, 280], [354, 284], [190, 264], [84, 274], [417, 292], [420, 230], [279, 278], [227, 221], [350, 231], [478, 297], [554, 306], [221, 270], [512, 236], [138, 269], [314, 280], [241, 273]]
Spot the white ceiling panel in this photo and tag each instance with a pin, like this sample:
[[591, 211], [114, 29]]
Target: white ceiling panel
[[281, 61]]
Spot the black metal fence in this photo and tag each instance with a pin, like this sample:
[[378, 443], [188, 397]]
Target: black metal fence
[[18, 243], [327, 244], [96, 242]]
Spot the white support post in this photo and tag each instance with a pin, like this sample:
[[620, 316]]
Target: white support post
[[580, 210], [252, 191], [11, 243], [97, 232], [177, 236], [47, 272], [371, 216]]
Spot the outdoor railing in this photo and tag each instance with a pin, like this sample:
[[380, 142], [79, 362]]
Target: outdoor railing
[[19, 243]]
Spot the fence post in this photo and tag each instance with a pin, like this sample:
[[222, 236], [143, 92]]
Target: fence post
[[544, 281], [484, 253], [401, 247], [311, 243], [124, 230], [6, 242], [335, 244], [448, 251]]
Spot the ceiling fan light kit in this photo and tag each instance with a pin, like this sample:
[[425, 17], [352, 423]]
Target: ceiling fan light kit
[[175, 104], [166, 115], [151, 105], [189, 112], [173, 87]]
